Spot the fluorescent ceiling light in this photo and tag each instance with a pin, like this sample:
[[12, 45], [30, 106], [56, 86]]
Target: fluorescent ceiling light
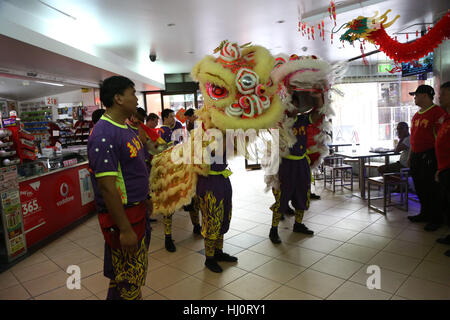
[[51, 83]]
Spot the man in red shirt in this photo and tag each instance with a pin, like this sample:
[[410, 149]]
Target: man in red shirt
[[422, 158], [443, 155]]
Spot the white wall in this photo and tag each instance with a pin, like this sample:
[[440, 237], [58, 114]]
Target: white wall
[[67, 97]]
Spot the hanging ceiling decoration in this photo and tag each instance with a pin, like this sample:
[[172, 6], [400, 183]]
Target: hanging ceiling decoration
[[373, 30]]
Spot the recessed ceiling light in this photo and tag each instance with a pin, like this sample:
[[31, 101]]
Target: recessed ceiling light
[[280, 21], [171, 24], [51, 83]]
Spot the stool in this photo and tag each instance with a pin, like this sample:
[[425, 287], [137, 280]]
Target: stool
[[338, 172], [386, 181]]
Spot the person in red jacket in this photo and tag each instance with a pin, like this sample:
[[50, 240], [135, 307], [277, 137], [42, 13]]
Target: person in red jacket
[[422, 158], [443, 155]]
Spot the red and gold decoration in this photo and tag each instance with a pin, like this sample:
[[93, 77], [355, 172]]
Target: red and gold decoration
[[373, 30], [180, 115], [332, 11], [310, 31]]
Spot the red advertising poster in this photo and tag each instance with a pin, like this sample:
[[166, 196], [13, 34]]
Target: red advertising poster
[[52, 202], [32, 210]]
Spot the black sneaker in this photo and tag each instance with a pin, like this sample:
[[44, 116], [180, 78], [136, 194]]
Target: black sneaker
[[301, 228], [170, 246], [219, 255], [431, 226], [197, 229], [418, 218], [445, 240], [273, 235], [314, 196], [212, 265]]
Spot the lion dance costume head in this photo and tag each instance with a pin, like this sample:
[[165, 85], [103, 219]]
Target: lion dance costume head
[[239, 93], [238, 90], [298, 78]]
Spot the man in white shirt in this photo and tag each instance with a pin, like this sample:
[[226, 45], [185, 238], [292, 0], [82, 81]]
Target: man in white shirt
[[403, 146]]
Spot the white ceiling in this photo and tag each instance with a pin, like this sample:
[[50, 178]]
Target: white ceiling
[[21, 90], [131, 29]]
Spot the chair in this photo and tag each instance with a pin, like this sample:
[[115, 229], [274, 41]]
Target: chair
[[387, 181], [338, 172], [373, 165]]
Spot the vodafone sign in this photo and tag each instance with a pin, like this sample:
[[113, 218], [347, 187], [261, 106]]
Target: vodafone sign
[[66, 191]]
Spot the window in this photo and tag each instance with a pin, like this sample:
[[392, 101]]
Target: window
[[178, 101], [153, 101], [369, 112]]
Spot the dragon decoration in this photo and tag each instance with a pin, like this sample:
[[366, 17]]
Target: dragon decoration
[[373, 29], [239, 93]]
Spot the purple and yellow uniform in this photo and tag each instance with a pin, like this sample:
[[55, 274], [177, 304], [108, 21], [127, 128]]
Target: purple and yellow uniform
[[214, 196], [294, 175], [166, 132], [116, 150]]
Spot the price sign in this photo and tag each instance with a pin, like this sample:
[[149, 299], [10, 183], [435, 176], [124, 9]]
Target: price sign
[[52, 101]]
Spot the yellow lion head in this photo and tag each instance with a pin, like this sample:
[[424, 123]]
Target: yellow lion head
[[237, 87]]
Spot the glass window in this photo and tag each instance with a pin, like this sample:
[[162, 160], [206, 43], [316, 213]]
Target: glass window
[[384, 115], [153, 103], [179, 101], [200, 99], [370, 112]]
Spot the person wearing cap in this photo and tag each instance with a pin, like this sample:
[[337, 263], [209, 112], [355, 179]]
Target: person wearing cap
[[422, 157], [443, 155]]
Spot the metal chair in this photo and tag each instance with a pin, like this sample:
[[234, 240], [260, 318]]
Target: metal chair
[[387, 181], [338, 172]]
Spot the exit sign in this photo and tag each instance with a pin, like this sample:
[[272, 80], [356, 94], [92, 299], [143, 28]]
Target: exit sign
[[384, 67]]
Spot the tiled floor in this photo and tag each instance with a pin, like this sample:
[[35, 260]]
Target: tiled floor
[[330, 265]]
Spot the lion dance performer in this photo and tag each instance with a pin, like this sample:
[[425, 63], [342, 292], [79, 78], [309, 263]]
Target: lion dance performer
[[239, 93], [303, 81]]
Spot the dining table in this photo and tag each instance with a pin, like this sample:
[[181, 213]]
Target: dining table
[[362, 156], [335, 146]]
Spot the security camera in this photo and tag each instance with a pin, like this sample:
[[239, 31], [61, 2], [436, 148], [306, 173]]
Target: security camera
[[152, 57]]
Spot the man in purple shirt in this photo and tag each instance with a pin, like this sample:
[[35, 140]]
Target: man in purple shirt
[[121, 185], [170, 124]]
